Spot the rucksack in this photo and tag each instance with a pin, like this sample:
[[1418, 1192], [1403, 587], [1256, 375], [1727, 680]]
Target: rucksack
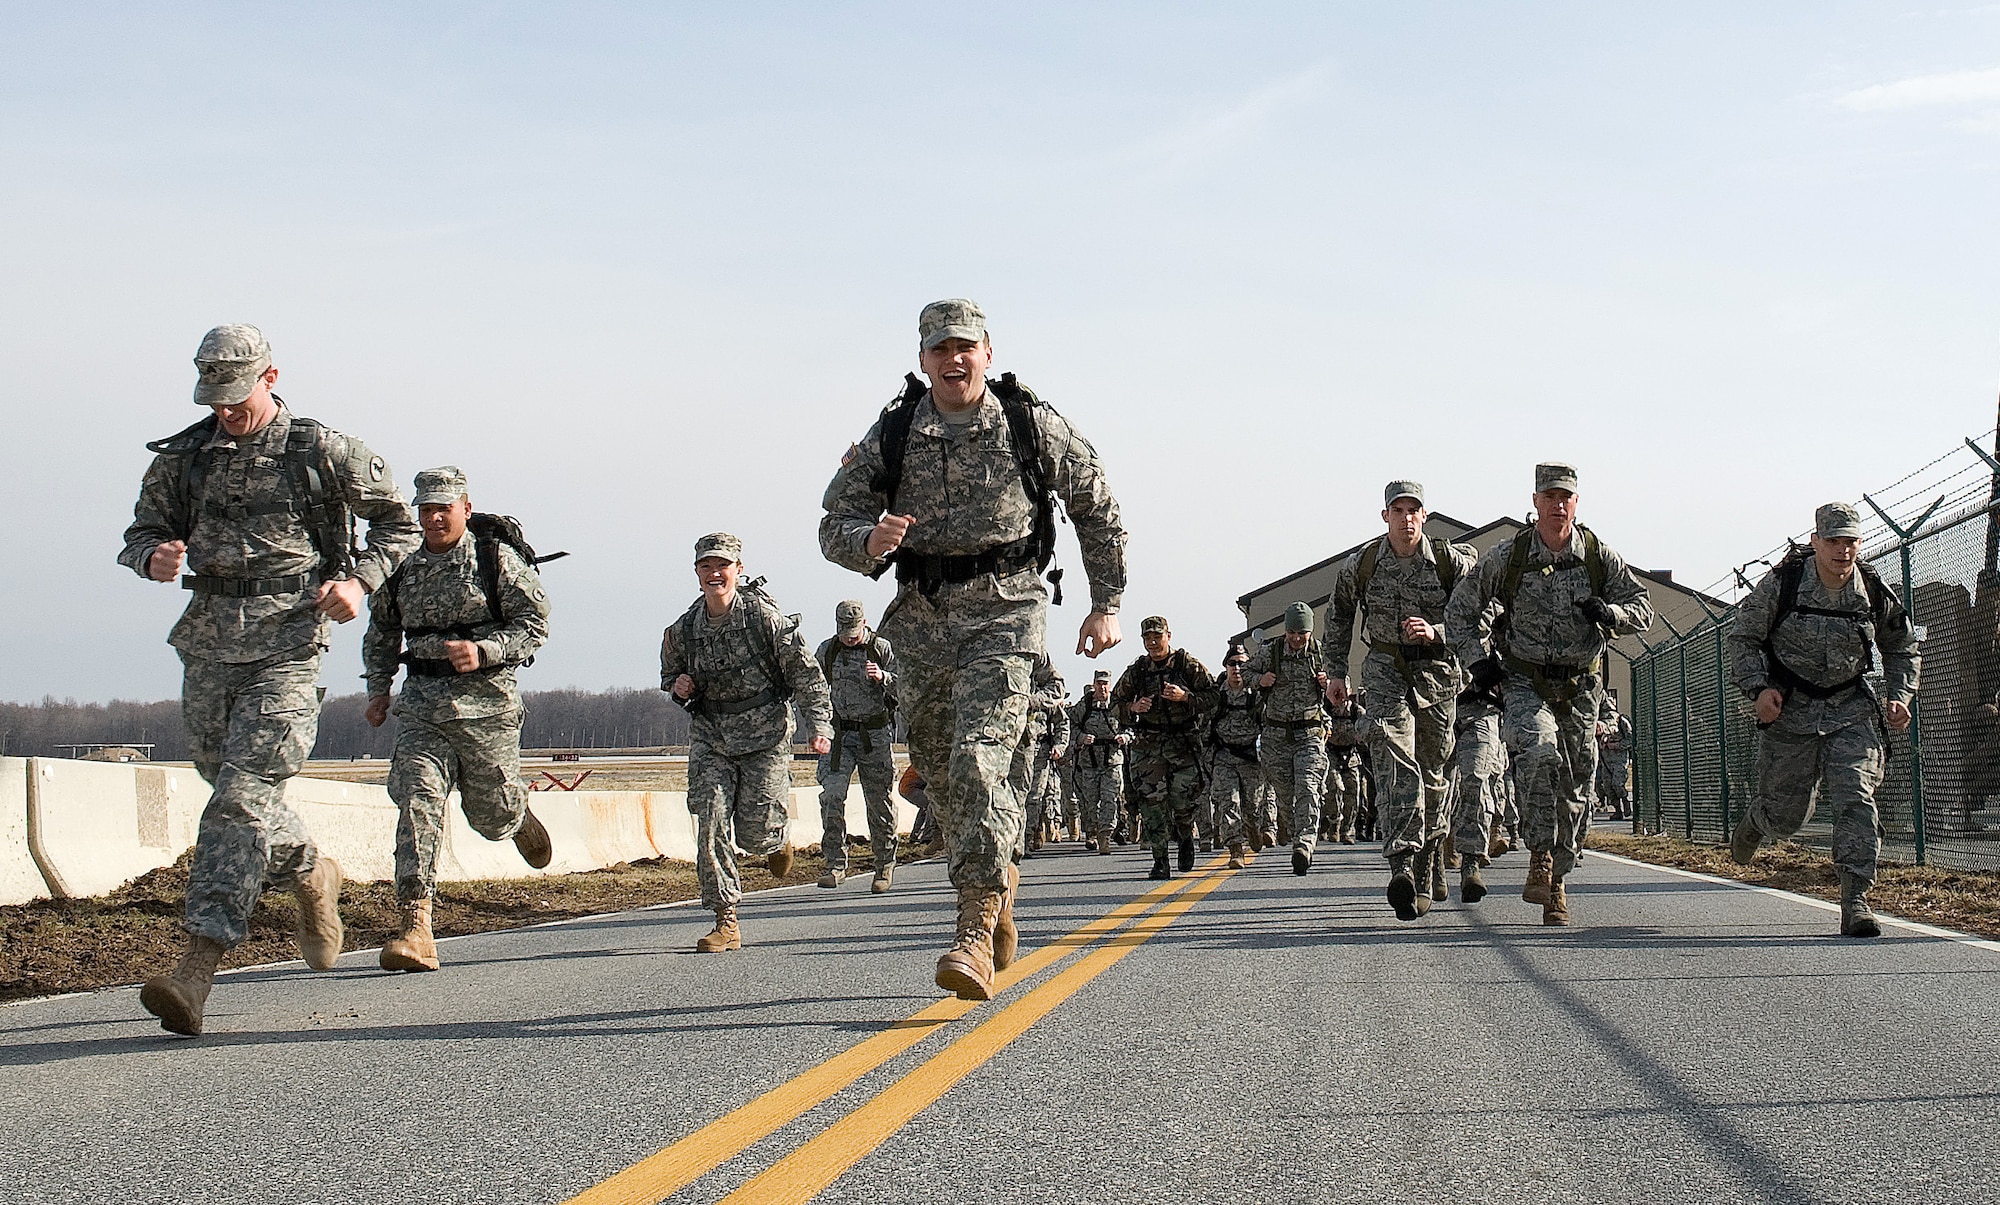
[[488, 532], [1446, 564], [767, 651], [874, 647], [1790, 572], [316, 496], [1517, 565], [1018, 403]]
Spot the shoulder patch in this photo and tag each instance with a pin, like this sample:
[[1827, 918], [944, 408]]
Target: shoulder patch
[[847, 457], [376, 468]]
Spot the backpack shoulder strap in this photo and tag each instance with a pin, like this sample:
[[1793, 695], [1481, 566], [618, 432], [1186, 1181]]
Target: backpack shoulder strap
[[1019, 403], [188, 443], [1879, 594], [1447, 565], [486, 552], [1365, 572], [327, 519], [1517, 564], [895, 421], [1593, 560]]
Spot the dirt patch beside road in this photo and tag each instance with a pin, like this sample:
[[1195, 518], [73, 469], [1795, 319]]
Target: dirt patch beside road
[[1966, 900]]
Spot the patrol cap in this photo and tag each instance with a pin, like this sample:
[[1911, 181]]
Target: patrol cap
[[1298, 618], [1402, 489], [852, 620], [1555, 475], [1153, 623], [718, 543], [1102, 675], [1836, 520], [228, 363], [952, 318], [440, 486]]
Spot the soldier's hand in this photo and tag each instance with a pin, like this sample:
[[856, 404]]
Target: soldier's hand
[[1269, 680], [463, 655], [1899, 716], [1140, 706], [377, 711], [1098, 633], [888, 534], [1336, 691], [821, 744], [873, 671], [1597, 611], [683, 688], [1089, 739], [1771, 704], [1174, 693], [1123, 739], [1418, 630], [165, 563], [341, 601], [1056, 756]]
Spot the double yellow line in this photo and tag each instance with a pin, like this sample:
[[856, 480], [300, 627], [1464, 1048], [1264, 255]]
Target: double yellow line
[[804, 1173]]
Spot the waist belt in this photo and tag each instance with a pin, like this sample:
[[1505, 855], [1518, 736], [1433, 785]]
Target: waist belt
[[1294, 727], [929, 571], [1559, 685], [866, 727], [1789, 682], [457, 631], [709, 707], [1246, 752], [247, 587], [439, 667], [1405, 654]]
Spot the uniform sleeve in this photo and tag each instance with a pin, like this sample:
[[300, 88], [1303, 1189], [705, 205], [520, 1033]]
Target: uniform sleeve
[[673, 657], [1902, 658], [802, 673], [1122, 694], [1207, 696], [370, 491], [887, 664], [1059, 723], [1339, 635], [1467, 617], [1465, 563], [1260, 660], [1749, 668], [524, 613], [153, 515], [1047, 691], [382, 643], [853, 506], [1630, 603], [1072, 469]]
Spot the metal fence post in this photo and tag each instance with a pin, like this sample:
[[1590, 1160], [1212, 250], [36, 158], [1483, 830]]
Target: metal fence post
[[1918, 820], [1722, 724], [1687, 766]]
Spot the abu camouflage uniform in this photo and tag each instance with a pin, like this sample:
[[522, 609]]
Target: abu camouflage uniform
[[1046, 730], [749, 667], [1235, 790], [454, 730], [1096, 764], [968, 647], [1828, 742], [1478, 772], [1347, 729], [1614, 757], [1412, 688], [251, 638], [1292, 746], [864, 723], [1167, 742], [1553, 653]]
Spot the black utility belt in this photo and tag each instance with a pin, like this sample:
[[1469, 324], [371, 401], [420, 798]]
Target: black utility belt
[[439, 667], [879, 720], [929, 570], [1788, 683], [1552, 671], [1409, 652], [1246, 752], [709, 707], [1294, 727], [246, 587]]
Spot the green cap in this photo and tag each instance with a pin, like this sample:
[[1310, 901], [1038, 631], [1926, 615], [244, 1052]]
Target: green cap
[[718, 543], [1298, 618], [1402, 489], [1836, 520], [952, 318], [1555, 475], [850, 618]]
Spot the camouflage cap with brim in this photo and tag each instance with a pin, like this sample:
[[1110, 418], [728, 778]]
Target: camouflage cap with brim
[[719, 544], [850, 618], [1153, 623], [441, 486], [1837, 520], [1555, 475], [952, 318], [1402, 489], [1100, 675], [228, 363]]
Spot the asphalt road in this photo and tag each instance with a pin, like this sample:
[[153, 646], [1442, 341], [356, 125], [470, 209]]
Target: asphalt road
[[1246, 1037]]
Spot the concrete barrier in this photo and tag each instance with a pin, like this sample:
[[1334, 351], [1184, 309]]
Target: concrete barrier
[[20, 879], [354, 822], [95, 826]]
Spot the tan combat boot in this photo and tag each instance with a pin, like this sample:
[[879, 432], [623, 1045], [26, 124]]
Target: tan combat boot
[[884, 873], [832, 877], [532, 840], [1497, 845], [412, 948], [1857, 919], [966, 970], [779, 861], [1006, 938], [1450, 853], [725, 935], [1540, 870], [178, 997], [1556, 910], [320, 931], [1235, 855], [1744, 840], [1439, 887]]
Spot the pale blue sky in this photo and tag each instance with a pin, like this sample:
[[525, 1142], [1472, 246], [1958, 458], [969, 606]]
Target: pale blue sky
[[644, 271]]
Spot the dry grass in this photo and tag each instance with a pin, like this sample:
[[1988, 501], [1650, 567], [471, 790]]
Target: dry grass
[[1966, 900], [604, 776]]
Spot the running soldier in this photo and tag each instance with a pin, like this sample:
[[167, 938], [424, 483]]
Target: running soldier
[[1614, 756], [1536, 616], [1479, 772], [737, 664], [259, 504], [1804, 644], [860, 671], [1347, 734], [1042, 741], [1166, 697], [1233, 792], [956, 486], [1097, 760], [1292, 745], [470, 611]]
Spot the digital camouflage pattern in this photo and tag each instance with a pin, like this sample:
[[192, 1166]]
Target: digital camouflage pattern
[[1347, 730], [1237, 780], [1167, 740], [1296, 695], [1097, 762], [1832, 747], [1479, 767], [457, 731], [968, 647], [1046, 731], [226, 542], [857, 698], [1292, 749], [1554, 742], [864, 724], [738, 801], [1614, 755]]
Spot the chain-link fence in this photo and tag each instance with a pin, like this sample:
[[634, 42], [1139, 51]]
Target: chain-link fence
[[1935, 536]]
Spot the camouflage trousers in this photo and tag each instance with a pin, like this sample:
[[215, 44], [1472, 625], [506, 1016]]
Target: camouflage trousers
[[250, 727], [1043, 791], [481, 757], [1343, 788], [1412, 746], [1235, 796], [1295, 765], [739, 812], [1612, 771], [1099, 791], [1555, 761], [1843, 768], [1478, 765], [872, 755], [1167, 778]]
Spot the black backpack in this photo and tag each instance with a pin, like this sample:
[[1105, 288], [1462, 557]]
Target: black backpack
[[488, 532], [1790, 572]]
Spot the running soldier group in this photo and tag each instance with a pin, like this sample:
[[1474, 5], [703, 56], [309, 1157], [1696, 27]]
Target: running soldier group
[[1482, 675]]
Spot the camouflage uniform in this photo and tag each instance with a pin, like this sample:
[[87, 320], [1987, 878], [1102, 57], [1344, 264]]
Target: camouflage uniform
[[968, 647], [1097, 769], [1552, 652], [454, 730], [1347, 730], [251, 638], [1614, 757], [1167, 748], [750, 667], [1479, 771], [1235, 793], [1046, 730], [1292, 746], [864, 724], [1828, 742], [1412, 688]]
